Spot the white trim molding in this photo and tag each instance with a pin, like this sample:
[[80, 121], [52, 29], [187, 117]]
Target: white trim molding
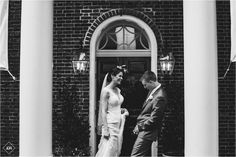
[[92, 72], [123, 53]]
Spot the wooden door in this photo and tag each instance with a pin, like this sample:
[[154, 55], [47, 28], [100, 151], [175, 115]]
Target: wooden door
[[132, 90]]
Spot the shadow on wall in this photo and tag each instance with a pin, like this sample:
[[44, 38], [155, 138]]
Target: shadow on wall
[[71, 129], [172, 133]]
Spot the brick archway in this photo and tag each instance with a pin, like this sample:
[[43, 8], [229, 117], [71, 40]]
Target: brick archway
[[115, 12]]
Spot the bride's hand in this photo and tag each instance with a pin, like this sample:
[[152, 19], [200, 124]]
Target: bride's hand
[[124, 111], [106, 133]]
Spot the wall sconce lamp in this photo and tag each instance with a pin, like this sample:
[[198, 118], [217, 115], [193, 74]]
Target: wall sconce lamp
[[167, 64], [166, 60], [80, 64]]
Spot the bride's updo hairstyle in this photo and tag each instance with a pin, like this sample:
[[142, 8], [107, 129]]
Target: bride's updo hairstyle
[[116, 70]]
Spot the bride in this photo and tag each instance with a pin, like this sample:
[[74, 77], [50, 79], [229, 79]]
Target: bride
[[111, 118]]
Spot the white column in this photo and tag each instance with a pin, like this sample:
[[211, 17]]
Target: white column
[[36, 78], [200, 78]]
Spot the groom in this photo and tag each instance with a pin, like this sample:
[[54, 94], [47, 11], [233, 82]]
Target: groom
[[149, 121]]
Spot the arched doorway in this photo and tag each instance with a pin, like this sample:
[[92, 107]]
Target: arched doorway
[[118, 40]]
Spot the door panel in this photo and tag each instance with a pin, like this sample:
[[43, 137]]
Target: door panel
[[132, 90], [134, 96]]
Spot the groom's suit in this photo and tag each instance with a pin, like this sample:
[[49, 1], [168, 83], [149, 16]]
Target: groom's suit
[[149, 122]]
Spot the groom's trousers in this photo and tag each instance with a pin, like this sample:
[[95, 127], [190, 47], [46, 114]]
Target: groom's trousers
[[142, 147]]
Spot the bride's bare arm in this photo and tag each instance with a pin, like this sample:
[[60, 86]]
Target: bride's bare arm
[[104, 104]]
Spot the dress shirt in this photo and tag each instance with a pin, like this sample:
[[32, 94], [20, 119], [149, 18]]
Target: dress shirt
[[155, 89]]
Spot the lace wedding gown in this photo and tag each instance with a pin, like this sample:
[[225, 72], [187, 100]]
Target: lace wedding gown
[[111, 147]]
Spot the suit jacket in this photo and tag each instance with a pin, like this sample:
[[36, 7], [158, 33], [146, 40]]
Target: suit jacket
[[150, 119]]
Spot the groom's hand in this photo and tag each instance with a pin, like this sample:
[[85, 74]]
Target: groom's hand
[[124, 111], [136, 131]]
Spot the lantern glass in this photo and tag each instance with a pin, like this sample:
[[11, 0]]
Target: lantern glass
[[80, 64], [167, 64]]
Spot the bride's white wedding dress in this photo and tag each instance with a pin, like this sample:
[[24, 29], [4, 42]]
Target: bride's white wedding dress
[[111, 147]]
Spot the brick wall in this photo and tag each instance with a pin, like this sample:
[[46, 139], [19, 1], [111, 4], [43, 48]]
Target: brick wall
[[9, 89], [71, 22], [68, 34], [226, 86]]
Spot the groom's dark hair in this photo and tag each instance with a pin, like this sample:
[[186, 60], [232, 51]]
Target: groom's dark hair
[[149, 76]]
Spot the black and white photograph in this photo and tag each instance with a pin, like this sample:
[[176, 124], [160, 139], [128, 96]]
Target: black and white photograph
[[118, 78]]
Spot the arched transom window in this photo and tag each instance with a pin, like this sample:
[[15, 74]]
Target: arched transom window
[[123, 38]]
